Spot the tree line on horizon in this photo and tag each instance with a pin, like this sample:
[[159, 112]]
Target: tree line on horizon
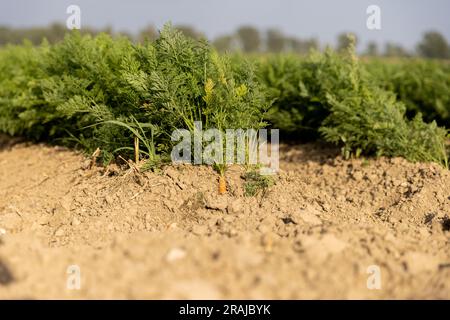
[[246, 38]]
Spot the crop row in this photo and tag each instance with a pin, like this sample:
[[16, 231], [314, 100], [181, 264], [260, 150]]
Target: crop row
[[99, 92]]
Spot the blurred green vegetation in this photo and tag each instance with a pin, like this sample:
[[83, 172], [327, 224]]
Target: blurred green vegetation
[[247, 39]]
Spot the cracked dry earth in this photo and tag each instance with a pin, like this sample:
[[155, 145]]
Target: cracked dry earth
[[314, 234]]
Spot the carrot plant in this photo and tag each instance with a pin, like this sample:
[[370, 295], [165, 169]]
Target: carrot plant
[[256, 183], [332, 97], [181, 81], [422, 85], [99, 92]]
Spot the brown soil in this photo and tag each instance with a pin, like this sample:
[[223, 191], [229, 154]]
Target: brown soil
[[169, 235]]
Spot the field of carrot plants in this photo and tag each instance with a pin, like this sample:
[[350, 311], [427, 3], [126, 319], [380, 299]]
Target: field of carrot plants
[[100, 92], [86, 138]]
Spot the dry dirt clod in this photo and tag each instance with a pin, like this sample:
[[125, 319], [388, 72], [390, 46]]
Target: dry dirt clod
[[75, 222], [216, 202], [60, 232], [357, 175], [86, 164], [59, 217], [309, 215], [109, 199], [200, 230], [235, 207]]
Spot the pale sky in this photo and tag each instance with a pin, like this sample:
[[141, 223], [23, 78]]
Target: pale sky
[[402, 21]]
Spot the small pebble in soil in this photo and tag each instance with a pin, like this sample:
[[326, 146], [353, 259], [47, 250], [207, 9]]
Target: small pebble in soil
[[75, 222], [59, 232], [172, 226], [175, 254]]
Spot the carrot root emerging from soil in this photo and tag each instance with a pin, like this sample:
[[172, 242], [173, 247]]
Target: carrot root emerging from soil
[[222, 185]]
